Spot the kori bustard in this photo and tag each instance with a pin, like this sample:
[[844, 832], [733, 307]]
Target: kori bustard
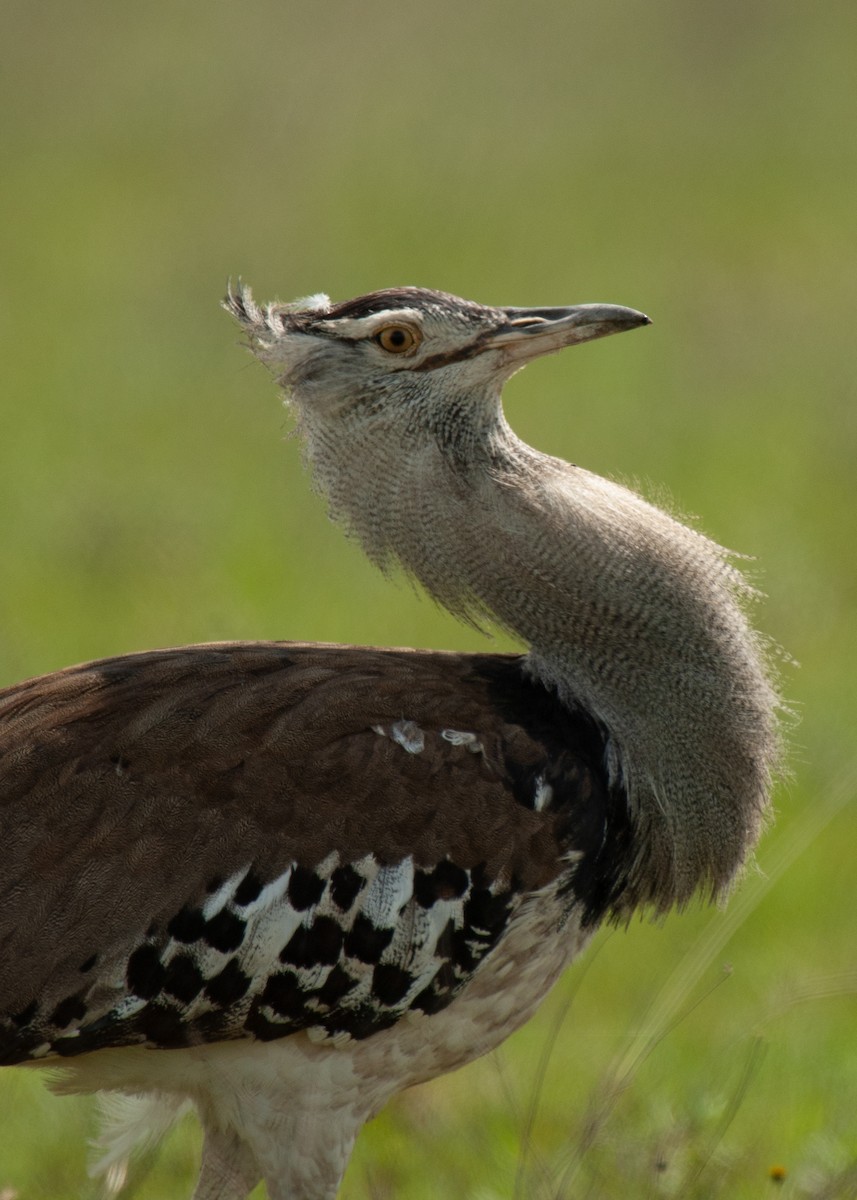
[[285, 881]]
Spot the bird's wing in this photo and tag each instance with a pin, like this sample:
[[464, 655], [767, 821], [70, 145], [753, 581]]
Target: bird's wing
[[249, 839]]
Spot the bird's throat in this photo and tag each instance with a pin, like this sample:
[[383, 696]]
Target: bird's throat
[[627, 613]]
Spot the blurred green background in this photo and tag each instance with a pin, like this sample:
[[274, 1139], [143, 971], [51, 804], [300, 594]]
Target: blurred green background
[[695, 160]]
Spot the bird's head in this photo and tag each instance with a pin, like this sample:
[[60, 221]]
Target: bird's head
[[411, 347]]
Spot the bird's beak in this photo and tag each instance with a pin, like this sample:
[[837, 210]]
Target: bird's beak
[[531, 332]]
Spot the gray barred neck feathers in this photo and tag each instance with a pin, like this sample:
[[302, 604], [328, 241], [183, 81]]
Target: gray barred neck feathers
[[629, 614]]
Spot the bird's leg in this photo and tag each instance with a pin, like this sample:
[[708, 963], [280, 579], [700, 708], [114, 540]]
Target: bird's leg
[[228, 1171], [307, 1161]]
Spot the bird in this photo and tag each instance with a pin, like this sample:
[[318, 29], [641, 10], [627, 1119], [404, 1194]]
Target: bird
[[283, 881]]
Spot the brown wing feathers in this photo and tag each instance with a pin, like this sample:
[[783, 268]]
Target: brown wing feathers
[[249, 839]]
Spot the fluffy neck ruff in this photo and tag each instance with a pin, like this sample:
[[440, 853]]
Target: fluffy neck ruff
[[628, 614]]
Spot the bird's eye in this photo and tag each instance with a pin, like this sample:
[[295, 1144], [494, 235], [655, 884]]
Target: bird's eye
[[397, 339]]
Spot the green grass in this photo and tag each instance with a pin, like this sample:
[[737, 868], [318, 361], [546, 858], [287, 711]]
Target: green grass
[[695, 161]]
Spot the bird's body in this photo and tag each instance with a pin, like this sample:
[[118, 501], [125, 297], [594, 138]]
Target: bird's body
[[285, 881]]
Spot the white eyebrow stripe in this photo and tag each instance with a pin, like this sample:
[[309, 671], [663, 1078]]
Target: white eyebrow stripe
[[362, 327]]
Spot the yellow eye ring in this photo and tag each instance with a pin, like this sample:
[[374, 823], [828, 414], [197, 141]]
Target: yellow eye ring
[[397, 339]]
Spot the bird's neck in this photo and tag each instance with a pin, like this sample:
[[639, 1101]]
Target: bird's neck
[[628, 614]]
